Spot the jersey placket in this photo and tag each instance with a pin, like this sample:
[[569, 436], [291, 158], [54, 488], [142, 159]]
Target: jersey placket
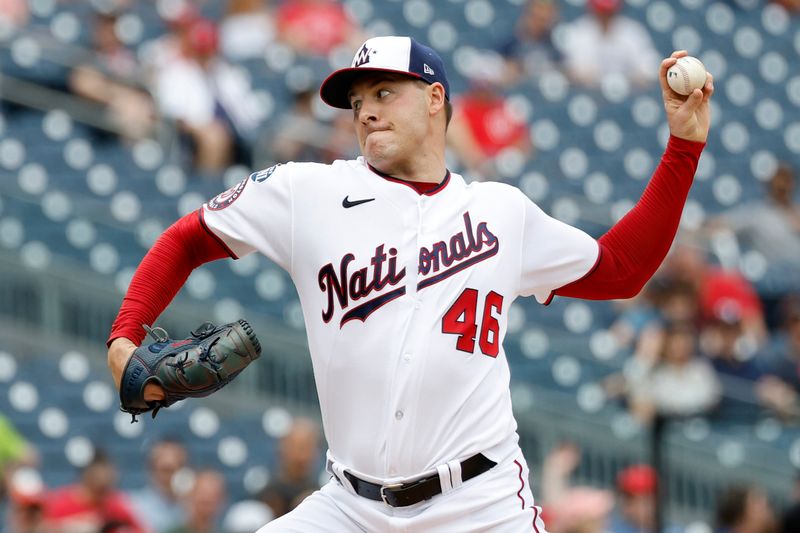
[[403, 405]]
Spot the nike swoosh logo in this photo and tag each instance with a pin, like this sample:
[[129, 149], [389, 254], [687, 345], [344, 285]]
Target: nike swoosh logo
[[347, 203]]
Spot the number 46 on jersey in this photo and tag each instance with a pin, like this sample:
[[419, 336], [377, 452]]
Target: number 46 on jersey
[[461, 320]]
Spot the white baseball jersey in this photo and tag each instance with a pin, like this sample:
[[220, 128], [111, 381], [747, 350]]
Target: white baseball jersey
[[405, 298]]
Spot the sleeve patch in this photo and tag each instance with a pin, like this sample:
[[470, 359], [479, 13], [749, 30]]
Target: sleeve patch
[[262, 175], [224, 199]]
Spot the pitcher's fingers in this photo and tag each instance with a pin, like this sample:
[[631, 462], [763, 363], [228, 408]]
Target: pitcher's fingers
[[708, 88], [693, 101]]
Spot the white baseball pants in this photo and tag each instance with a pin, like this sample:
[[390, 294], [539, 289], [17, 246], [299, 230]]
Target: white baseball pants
[[497, 501]]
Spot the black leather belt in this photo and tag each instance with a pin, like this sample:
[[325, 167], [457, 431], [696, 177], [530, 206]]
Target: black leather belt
[[404, 494]]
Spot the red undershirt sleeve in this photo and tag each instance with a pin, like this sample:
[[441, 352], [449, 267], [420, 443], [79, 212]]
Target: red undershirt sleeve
[[632, 250], [184, 246]]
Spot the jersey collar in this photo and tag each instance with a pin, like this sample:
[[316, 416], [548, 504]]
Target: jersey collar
[[409, 184]]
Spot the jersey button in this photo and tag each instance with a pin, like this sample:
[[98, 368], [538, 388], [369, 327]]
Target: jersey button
[[406, 357], [398, 414], [417, 304]]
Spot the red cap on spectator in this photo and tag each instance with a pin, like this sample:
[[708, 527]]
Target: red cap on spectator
[[202, 37], [637, 479], [605, 6]]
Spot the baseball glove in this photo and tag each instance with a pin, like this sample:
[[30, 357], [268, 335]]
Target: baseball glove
[[187, 368]]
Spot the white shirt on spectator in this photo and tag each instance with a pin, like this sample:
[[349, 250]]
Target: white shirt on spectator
[[687, 389], [246, 36], [625, 49], [185, 91]]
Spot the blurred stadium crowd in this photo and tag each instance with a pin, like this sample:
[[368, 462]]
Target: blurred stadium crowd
[[120, 115]]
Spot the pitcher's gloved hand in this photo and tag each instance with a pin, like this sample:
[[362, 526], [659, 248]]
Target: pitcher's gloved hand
[[186, 368]]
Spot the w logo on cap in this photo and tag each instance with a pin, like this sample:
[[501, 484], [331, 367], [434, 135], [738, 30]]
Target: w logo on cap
[[362, 56]]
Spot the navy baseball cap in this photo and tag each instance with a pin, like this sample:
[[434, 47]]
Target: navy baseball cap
[[401, 55]]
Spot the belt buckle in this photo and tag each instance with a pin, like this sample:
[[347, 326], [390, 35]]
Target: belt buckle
[[391, 486]]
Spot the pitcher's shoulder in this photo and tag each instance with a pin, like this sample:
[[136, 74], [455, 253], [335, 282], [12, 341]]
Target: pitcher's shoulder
[[495, 189]]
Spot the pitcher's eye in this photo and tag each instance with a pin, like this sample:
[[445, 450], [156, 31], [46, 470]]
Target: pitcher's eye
[[383, 92]]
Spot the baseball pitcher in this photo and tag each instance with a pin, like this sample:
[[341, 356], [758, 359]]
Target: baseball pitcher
[[406, 274]]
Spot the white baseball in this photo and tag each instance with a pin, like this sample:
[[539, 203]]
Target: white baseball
[[686, 75]]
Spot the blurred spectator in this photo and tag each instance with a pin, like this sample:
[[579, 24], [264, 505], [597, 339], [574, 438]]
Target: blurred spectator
[[745, 509], [736, 362], [603, 42], [530, 51], [26, 497], [299, 136], [557, 467], [204, 503], [780, 388], [247, 29], [581, 510], [723, 341], [642, 328], [636, 501], [619, 385], [246, 516], [158, 504], [567, 508], [316, 27], [296, 475], [665, 375], [156, 53], [661, 301], [770, 226], [636, 509], [92, 504], [718, 290], [111, 77], [210, 100], [678, 301], [484, 126]]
